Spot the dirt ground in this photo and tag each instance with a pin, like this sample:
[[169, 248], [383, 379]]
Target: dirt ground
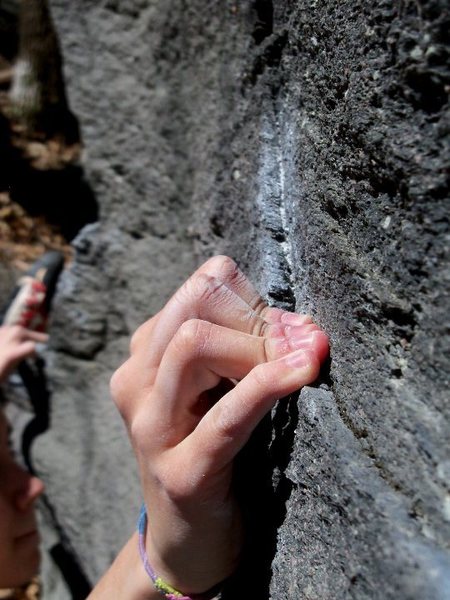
[[25, 237]]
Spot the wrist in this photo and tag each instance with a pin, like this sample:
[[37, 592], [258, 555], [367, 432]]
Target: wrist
[[126, 578], [188, 588], [180, 573]]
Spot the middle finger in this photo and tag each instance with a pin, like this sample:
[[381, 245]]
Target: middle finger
[[207, 298]]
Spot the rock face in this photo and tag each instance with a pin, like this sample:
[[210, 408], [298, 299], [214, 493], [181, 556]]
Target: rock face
[[310, 141]]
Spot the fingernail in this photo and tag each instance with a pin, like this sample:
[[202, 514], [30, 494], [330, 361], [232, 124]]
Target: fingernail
[[294, 319], [297, 359], [296, 330], [299, 340]]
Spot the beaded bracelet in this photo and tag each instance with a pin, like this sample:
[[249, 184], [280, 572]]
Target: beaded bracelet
[[164, 588]]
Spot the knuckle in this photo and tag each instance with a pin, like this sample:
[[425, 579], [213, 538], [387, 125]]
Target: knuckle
[[228, 271], [146, 433], [136, 339], [193, 335], [222, 266], [204, 287], [117, 388], [189, 330], [141, 334], [139, 433]]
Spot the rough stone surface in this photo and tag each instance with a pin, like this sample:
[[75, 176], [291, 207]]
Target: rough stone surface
[[310, 141]]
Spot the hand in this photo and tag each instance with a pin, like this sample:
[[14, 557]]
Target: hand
[[16, 344], [215, 330]]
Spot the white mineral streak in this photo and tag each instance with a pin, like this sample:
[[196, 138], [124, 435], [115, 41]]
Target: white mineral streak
[[271, 200], [284, 204]]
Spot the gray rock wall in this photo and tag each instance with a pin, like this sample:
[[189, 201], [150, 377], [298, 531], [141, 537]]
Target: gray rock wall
[[308, 140]]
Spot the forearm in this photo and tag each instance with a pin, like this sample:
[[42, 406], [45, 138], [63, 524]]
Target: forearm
[[126, 577]]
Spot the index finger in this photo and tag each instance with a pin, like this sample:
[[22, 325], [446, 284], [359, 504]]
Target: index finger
[[218, 292]]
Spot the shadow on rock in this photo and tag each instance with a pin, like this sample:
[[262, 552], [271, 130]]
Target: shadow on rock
[[263, 491]]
